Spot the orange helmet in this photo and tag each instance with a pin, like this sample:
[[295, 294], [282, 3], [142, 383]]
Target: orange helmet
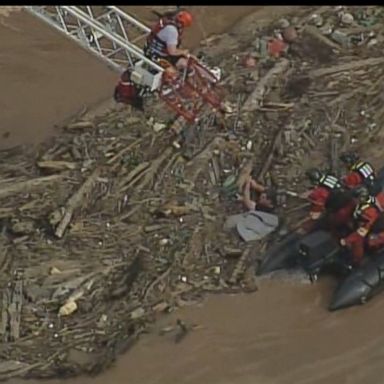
[[184, 18]]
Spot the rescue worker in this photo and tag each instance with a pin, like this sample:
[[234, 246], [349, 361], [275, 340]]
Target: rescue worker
[[328, 197], [376, 237], [264, 200], [164, 40], [365, 216], [359, 172]]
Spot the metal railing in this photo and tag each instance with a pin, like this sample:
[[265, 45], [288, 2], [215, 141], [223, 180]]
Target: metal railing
[[106, 31]]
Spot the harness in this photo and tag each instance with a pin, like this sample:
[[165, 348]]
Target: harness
[[365, 170], [374, 203], [155, 47], [330, 182], [371, 202], [338, 197]]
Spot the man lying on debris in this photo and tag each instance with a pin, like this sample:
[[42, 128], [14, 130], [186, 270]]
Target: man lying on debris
[[264, 200], [258, 221], [328, 197], [368, 223], [359, 172]]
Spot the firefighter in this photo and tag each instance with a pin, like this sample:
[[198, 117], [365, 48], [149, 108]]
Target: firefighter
[[359, 172], [328, 197], [376, 237], [164, 39], [365, 215]]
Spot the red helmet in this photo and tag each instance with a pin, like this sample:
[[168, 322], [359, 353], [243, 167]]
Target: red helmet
[[184, 18]]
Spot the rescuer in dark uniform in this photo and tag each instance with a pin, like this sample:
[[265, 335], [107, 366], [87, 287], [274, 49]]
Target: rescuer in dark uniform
[[359, 172], [328, 197], [366, 216]]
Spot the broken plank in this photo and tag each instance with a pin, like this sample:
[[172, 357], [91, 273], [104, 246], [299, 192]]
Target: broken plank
[[255, 99], [314, 33], [346, 67], [27, 185], [56, 165], [14, 310], [75, 201]]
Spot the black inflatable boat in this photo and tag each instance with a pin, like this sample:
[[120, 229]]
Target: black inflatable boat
[[319, 252]]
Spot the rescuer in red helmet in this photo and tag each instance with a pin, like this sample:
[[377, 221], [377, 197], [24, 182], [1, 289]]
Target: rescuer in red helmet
[[366, 216], [164, 39]]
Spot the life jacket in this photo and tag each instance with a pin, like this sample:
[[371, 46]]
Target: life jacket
[[338, 197], [365, 170], [378, 225], [330, 182], [360, 208], [155, 47]]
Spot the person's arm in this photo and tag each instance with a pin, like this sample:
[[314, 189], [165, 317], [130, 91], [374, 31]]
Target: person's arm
[[365, 225], [256, 186], [317, 198], [170, 36], [174, 51], [251, 205]]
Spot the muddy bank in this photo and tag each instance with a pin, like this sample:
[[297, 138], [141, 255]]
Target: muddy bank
[[46, 78]]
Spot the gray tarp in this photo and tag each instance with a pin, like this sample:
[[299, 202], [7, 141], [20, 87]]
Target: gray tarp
[[252, 225]]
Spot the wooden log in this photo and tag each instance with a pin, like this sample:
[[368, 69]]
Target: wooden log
[[26, 185], [346, 67], [316, 34], [153, 170], [4, 316], [276, 142], [256, 97], [75, 201], [80, 125], [56, 165], [133, 175], [14, 310]]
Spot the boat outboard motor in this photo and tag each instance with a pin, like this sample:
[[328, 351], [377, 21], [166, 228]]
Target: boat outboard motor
[[317, 250]]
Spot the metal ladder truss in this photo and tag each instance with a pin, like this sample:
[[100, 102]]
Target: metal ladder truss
[[106, 31]]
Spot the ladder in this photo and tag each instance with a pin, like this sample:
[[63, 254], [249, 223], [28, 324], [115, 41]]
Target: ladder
[[117, 38]]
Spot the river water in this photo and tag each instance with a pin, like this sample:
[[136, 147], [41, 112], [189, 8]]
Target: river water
[[282, 334]]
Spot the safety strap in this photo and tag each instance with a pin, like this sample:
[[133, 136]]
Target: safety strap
[[364, 168], [330, 181]]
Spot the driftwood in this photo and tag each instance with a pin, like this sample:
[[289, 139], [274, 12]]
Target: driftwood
[[80, 125], [255, 99], [314, 33], [27, 185], [75, 201], [275, 144], [56, 165], [132, 176], [346, 67]]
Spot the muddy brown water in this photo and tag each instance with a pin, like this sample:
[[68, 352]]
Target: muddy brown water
[[281, 334]]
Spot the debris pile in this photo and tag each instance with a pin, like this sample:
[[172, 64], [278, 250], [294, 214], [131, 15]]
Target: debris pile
[[109, 225]]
